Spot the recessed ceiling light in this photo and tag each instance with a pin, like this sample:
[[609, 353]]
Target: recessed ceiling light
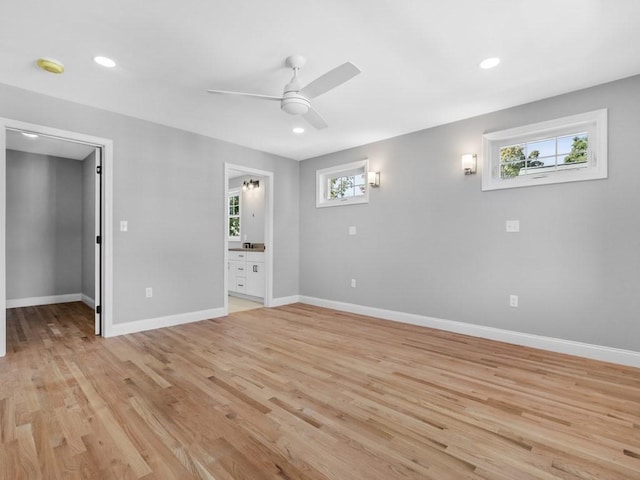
[[30, 135], [298, 130], [104, 61], [489, 62]]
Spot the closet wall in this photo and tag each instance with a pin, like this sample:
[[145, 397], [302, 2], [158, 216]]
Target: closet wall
[[44, 226]]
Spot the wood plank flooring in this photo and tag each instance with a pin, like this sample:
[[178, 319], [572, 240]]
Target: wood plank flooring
[[304, 393]]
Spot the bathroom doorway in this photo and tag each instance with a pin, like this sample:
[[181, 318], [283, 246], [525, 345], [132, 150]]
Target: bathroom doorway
[[248, 238]]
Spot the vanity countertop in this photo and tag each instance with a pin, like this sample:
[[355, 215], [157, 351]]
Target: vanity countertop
[[240, 249]]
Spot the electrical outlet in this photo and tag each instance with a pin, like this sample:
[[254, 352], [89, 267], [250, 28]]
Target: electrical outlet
[[149, 292], [353, 283], [513, 301], [352, 230]]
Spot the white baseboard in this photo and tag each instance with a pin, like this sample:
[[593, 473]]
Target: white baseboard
[[280, 301], [596, 352], [88, 301], [161, 322], [33, 301]]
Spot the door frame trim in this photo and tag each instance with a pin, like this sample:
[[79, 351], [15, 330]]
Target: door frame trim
[[107, 215]]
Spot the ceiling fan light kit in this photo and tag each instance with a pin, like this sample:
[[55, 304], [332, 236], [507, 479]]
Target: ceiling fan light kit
[[295, 104], [295, 99]]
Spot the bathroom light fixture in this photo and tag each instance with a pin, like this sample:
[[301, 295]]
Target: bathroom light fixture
[[489, 63], [298, 130], [469, 163], [104, 61], [50, 65], [29, 135], [373, 179], [250, 185]]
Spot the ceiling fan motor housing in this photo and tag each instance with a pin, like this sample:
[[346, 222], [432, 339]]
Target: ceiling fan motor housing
[[294, 103]]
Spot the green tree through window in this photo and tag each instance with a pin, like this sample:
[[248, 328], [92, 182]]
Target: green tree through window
[[578, 152], [513, 158], [234, 215]]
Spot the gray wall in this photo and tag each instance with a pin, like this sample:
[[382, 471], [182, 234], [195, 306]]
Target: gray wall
[[430, 242], [44, 224], [88, 225], [252, 210], [169, 185]]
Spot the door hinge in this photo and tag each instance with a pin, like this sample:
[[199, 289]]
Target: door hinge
[[98, 310], [98, 169], [98, 239]]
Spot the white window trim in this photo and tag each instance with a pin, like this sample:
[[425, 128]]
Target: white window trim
[[233, 192], [322, 184], [595, 123]]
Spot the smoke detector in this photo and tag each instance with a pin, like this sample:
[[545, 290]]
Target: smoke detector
[[50, 65]]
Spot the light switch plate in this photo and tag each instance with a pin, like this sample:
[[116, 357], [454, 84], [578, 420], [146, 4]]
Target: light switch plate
[[352, 230], [513, 226], [513, 301], [124, 226]]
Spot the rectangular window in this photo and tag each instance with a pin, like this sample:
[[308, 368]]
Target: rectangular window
[[234, 215], [342, 185], [568, 149]]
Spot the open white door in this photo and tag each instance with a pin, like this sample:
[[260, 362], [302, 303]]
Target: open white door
[[98, 235]]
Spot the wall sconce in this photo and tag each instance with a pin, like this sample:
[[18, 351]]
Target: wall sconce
[[250, 185], [469, 163], [374, 179]]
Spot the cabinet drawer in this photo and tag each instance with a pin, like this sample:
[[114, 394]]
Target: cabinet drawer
[[241, 285], [255, 257], [242, 256]]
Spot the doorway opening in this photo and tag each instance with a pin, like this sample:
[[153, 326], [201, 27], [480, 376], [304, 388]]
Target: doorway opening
[[55, 239], [248, 238]]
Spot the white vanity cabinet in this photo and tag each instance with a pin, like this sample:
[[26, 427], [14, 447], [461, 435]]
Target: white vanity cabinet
[[246, 273], [238, 272], [255, 274]]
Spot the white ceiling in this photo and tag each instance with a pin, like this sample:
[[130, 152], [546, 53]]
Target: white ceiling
[[48, 146], [418, 59]]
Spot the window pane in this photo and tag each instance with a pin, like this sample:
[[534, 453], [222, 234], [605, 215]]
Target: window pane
[[533, 163], [234, 205], [542, 148], [338, 187], [512, 153], [510, 170], [359, 185], [577, 148], [234, 226]]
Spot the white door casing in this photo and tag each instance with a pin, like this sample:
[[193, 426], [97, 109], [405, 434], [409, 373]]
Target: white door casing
[[106, 216]]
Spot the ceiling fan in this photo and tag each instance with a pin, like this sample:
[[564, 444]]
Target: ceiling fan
[[295, 99]]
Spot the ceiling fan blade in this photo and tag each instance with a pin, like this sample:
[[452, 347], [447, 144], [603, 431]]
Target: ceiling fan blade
[[254, 95], [315, 119], [330, 80]]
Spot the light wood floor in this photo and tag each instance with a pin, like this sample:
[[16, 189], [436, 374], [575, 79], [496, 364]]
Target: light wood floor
[[300, 392]]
